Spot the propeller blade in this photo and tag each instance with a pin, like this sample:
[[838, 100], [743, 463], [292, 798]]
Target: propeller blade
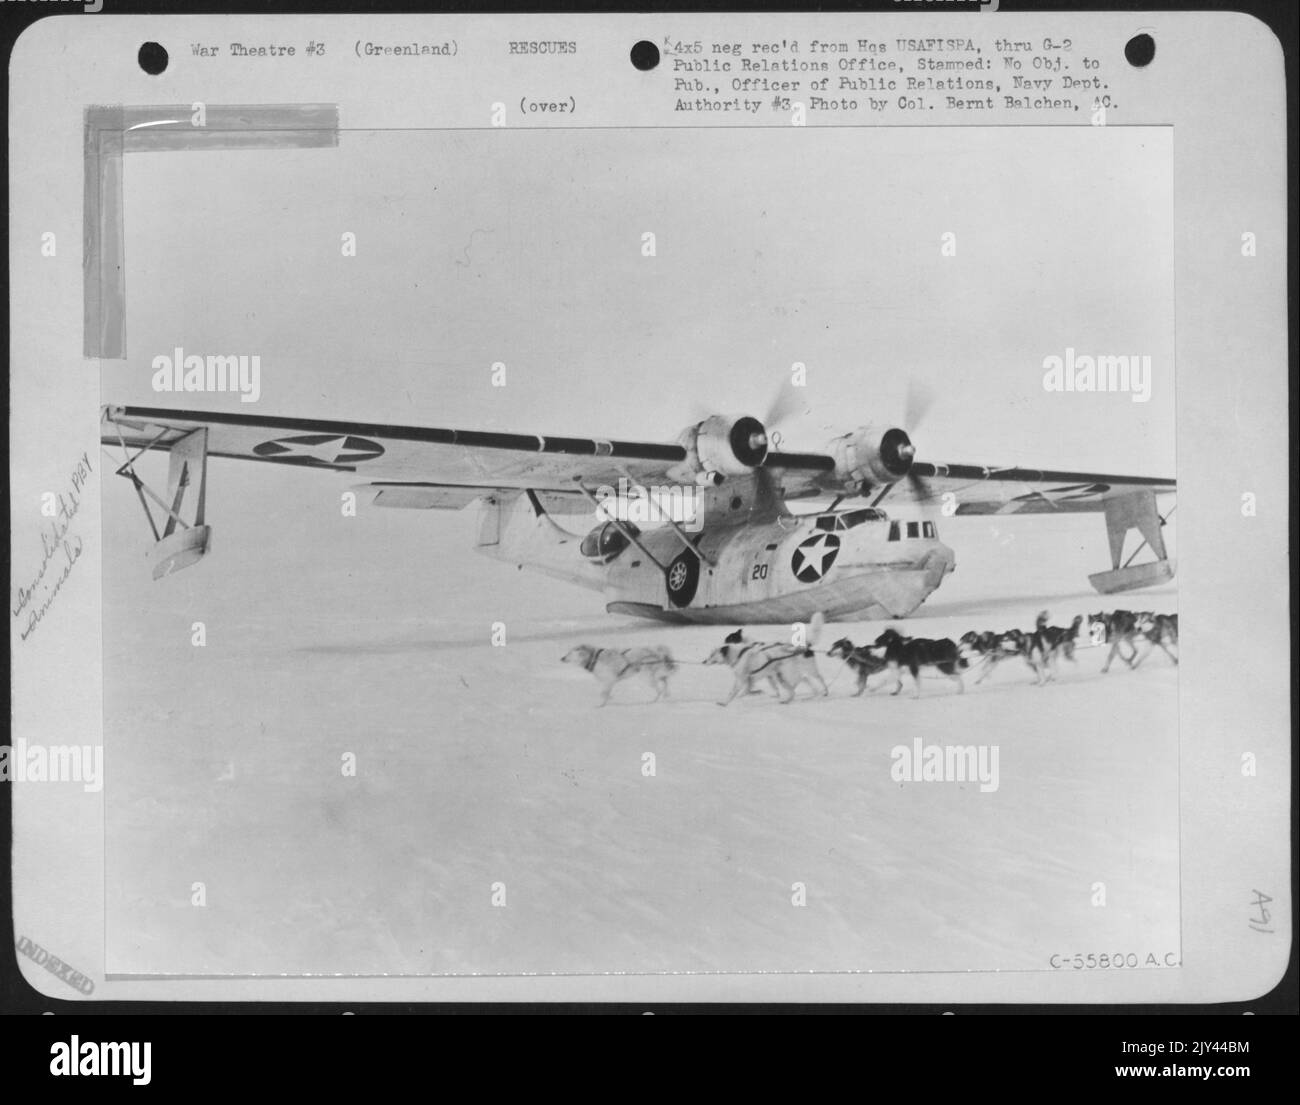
[[920, 488], [786, 402], [919, 399], [765, 494]]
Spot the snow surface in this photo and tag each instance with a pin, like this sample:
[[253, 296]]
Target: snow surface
[[479, 765]]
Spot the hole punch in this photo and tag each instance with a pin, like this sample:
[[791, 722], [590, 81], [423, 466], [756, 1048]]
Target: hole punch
[[152, 58], [1140, 50], [645, 55]]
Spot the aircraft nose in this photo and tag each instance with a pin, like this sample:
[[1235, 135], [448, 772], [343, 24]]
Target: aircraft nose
[[939, 561]]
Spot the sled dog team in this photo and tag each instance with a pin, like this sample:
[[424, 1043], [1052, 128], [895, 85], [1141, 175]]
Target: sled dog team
[[784, 667]]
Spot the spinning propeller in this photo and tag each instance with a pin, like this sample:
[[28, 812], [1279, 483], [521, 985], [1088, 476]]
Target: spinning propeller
[[868, 462], [915, 408]]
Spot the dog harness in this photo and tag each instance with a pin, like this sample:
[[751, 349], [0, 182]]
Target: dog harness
[[590, 665], [782, 656]]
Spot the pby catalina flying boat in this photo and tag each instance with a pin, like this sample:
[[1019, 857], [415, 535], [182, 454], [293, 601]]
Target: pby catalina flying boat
[[725, 548]]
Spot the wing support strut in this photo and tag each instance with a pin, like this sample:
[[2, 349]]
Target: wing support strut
[[182, 541], [681, 534], [624, 530], [1136, 510]]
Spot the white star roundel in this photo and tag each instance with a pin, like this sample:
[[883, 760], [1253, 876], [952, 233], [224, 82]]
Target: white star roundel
[[320, 450], [814, 557]]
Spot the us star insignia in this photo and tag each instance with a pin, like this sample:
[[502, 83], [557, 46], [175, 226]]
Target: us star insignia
[[327, 450], [814, 557]]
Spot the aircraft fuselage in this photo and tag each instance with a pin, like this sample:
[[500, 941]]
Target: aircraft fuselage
[[848, 564]]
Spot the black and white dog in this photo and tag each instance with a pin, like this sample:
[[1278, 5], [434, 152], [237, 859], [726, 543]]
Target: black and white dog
[[1119, 629], [864, 660], [1048, 643], [1124, 627], [1161, 630], [915, 653], [783, 666], [992, 648]]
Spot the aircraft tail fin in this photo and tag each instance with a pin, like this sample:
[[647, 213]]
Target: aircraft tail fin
[[517, 527]]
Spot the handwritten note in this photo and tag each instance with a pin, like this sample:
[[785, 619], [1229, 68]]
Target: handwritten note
[[60, 550]]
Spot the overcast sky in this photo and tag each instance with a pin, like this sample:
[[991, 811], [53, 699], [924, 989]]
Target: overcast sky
[[772, 246]]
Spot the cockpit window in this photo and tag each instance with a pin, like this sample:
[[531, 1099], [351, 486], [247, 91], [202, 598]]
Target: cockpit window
[[607, 541], [848, 519], [857, 517], [893, 531]]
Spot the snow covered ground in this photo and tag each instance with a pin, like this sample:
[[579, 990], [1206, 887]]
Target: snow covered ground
[[329, 637]]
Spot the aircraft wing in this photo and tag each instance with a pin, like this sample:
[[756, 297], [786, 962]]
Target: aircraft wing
[[425, 468], [979, 489], [428, 467], [453, 466]]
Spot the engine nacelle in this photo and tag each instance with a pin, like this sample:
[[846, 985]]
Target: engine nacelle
[[721, 446], [869, 458]]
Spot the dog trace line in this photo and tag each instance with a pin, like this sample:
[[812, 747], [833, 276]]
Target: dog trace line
[[1038, 647]]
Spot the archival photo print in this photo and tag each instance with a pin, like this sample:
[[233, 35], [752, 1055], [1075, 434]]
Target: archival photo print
[[645, 550]]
